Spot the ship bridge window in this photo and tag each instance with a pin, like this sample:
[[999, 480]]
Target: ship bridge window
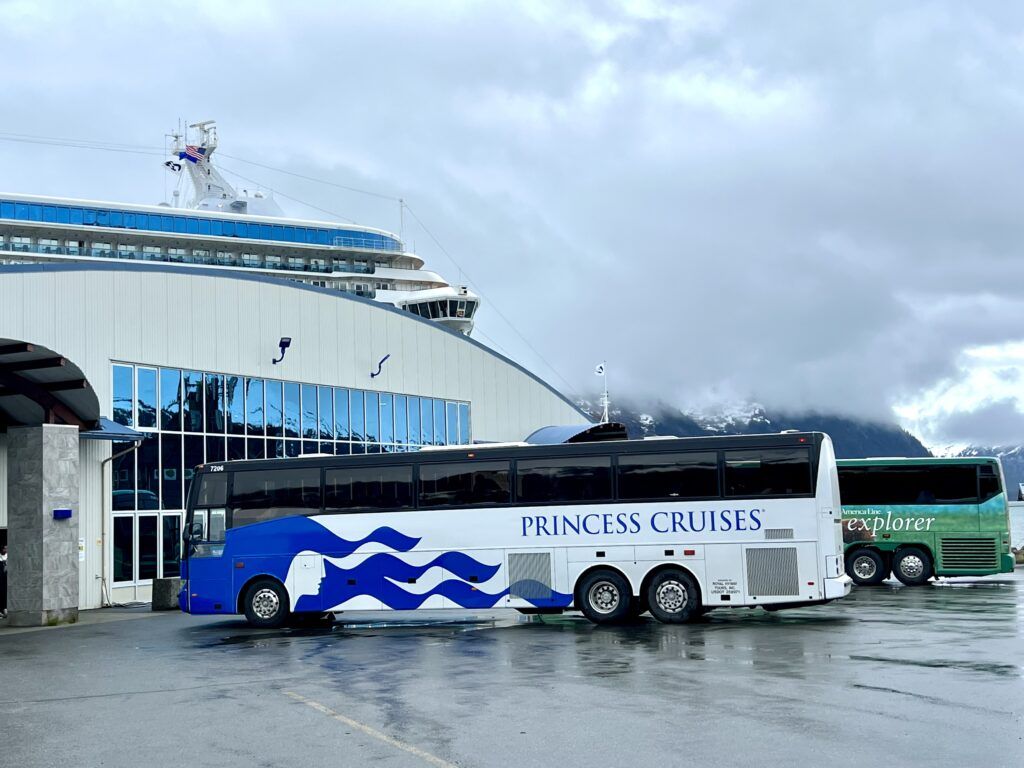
[[151, 252], [296, 263], [252, 259]]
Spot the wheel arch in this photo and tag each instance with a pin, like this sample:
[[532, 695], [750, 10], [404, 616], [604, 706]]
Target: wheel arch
[[593, 569], [239, 608], [660, 568]]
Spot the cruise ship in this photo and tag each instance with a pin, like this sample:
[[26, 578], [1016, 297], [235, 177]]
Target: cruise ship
[[221, 227]]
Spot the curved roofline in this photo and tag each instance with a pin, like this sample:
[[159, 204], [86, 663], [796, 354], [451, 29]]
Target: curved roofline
[[280, 282], [202, 212]]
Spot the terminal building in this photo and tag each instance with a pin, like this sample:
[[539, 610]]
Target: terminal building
[[137, 342]]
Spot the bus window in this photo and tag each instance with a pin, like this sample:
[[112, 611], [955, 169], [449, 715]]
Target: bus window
[[668, 476], [896, 485], [464, 484], [564, 479], [213, 489], [988, 482], [218, 524], [354, 488], [768, 472], [259, 495]]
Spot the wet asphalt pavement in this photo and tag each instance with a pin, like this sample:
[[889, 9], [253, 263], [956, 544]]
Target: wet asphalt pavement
[[889, 676]]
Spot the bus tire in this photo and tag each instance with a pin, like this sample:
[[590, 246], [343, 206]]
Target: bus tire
[[866, 567], [673, 597], [912, 566], [266, 604], [605, 597]]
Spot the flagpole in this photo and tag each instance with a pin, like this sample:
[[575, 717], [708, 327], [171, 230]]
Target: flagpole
[[605, 377]]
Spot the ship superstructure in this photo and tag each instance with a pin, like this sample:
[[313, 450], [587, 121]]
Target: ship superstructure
[[222, 228]]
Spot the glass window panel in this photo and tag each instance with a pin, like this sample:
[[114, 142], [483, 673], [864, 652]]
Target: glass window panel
[[767, 472], [194, 456], [275, 449], [465, 438], [170, 471], [235, 405], [564, 479], [116, 218], [254, 406], [427, 421], [256, 449], [171, 546], [357, 417], [236, 448], [354, 488], [668, 476], [170, 399], [464, 484], [122, 472], [291, 409], [124, 548], [310, 447], [882, 485], [452, 422], [387, 418], [275, 409], [269, 494], [214, 449], [439, 423], [192, 412], [326, 413], [124, 394], [414, 420], [341, 422], [372, 417], [214, 401], [146, 402], [148, 496], [310, 425], [989, 483], [401, 419], [213, 489], [148, 546], [292, 448]]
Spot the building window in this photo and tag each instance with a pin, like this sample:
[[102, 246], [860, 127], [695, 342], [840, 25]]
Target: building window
[[124, 395], [124, 548]]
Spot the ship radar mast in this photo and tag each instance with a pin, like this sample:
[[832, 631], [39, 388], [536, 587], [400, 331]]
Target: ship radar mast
[[211, 191]]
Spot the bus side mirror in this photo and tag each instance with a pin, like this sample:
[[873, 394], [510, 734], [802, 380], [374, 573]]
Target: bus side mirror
[[196, 531]]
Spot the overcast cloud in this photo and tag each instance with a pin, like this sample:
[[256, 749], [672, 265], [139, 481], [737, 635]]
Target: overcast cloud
[[814, 205]]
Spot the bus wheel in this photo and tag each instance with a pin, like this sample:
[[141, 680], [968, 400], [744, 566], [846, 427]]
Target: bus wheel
[[866, 567], [266, 604], [605, 597], [673, 597], [912, 566]]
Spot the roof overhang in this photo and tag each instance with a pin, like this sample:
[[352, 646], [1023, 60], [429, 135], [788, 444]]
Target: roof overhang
[[40, 386]]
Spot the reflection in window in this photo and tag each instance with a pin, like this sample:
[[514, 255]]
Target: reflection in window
[[427, 421], [171, 546], [124, 395], [358, 423], [367, 488], [481, 482], [124, 548], [194, 456], [768, 472], [214, 403], [387, 418], [146, 409], [310, 426], [414, 420], [266, 495], [235, 405], [170, 461], [439, 423], [401, 416], [147, 546], [372, 417], [214, 449], [291, 409], [668, 476], [254, 406], [149, 473], [170, 399], [452, 420], [326, 414], [464, 433], [193, 401], [123, 481], [341, 414], [275, 409], [569, 479]]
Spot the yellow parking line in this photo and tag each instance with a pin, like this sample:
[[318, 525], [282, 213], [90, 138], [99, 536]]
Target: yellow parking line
[[423, 755]]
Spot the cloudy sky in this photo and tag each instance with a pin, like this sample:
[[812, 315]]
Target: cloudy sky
[[806, 204]]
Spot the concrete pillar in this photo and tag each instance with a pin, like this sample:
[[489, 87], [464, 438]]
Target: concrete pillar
[[42, 565]]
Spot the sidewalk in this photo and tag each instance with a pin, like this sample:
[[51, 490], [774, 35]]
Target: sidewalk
[[89, 618]]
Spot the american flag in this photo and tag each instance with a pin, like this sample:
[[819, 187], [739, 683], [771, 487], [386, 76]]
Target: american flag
[[193, 153]]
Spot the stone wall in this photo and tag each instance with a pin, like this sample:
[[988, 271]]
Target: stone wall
[[42, 474]]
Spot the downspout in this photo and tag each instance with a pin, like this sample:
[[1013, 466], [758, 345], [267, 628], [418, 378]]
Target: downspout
[[104, 589]]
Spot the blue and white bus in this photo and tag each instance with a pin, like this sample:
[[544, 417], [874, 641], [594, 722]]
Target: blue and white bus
[[612, 528]]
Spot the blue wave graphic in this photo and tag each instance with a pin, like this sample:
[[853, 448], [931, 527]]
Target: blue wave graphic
[[294, 534]]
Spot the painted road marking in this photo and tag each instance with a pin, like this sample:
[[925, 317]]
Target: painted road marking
[[383, 737]]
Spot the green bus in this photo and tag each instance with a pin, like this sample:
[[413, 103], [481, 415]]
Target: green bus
[[919, 518]]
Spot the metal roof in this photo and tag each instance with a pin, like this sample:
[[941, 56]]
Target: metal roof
[[578, 433], [112, 431]]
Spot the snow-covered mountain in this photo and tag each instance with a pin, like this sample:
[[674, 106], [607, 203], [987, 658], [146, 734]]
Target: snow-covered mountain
[[853, 438]]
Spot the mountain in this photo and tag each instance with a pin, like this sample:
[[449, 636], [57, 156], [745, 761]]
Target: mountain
[[853, 438]]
